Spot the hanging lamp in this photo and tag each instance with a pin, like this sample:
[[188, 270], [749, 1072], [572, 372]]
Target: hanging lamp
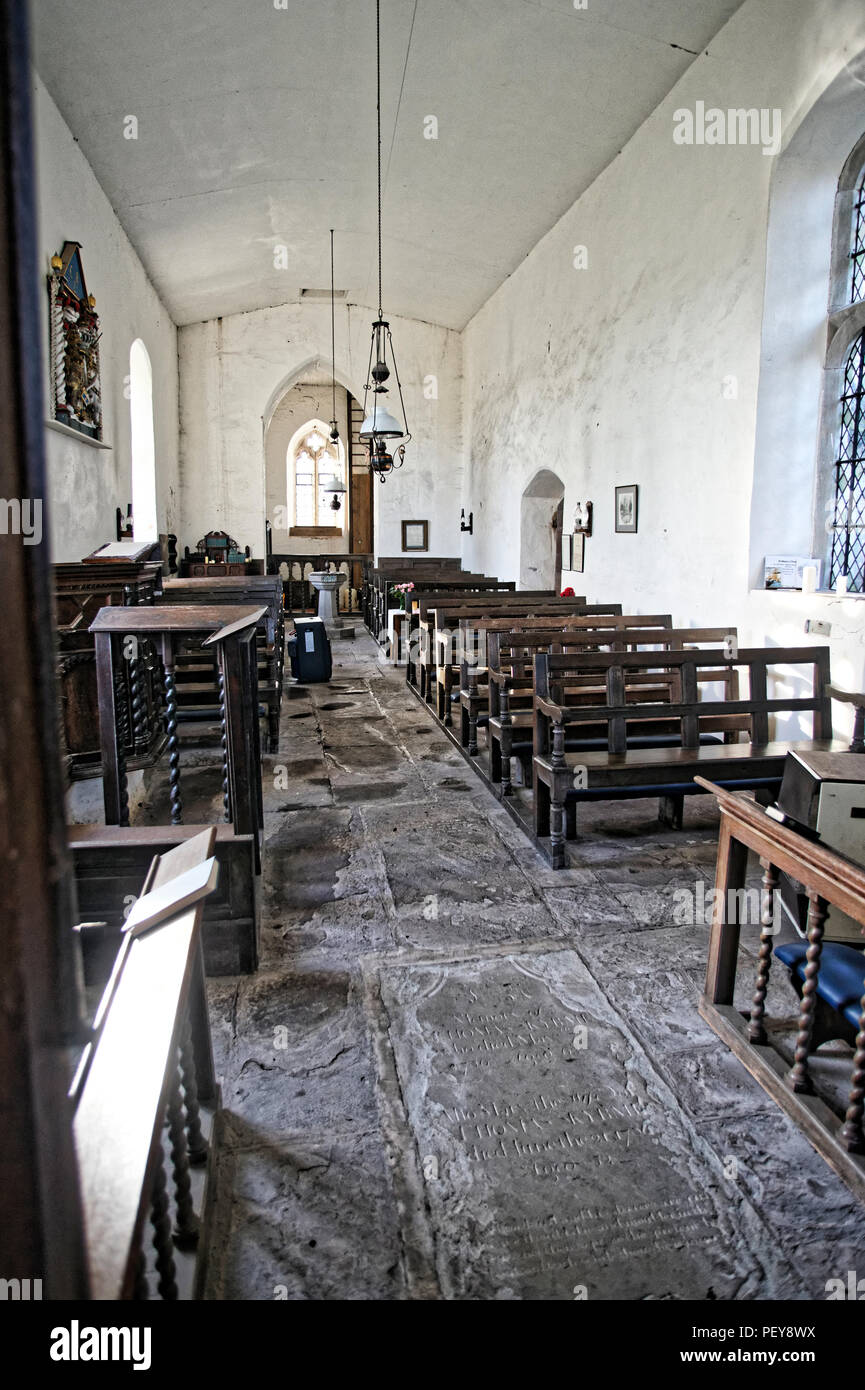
[[379, 425]]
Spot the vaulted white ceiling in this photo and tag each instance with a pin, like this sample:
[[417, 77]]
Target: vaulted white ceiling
[[256, 129]]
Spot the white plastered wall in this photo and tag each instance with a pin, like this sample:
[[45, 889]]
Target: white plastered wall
[[234, 371], [621, 372], [87, 484]]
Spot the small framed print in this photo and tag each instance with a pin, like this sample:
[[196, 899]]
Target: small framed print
[[567, 552], [578, 552], [626, 508], [415, 535]]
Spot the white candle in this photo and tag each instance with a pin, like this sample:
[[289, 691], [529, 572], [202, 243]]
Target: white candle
[[809, 579], [841, 584]]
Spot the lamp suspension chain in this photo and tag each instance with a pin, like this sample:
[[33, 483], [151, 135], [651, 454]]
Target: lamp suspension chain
[[332, 335], [378, 127]]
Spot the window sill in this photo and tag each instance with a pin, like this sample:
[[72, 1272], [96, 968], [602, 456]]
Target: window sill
[[800, 593], [326, 532]]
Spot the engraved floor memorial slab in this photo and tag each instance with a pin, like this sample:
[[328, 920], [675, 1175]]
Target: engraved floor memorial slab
[[555, 1165]]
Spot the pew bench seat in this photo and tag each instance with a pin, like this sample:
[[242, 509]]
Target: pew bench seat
[[840, 986], [665, 771]]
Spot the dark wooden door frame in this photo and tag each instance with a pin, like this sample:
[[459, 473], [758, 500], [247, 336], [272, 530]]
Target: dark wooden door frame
[[40, 1213]]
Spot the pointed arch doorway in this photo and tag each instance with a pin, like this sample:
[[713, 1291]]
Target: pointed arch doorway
[[542, 510]]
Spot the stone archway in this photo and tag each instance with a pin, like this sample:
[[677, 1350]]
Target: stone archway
[[541, 516]]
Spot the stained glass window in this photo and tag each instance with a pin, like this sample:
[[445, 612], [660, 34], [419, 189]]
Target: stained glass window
[[848, 538]]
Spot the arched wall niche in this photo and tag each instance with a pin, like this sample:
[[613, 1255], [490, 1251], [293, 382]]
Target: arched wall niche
[[305, 394], [540, 542], [802, 352]]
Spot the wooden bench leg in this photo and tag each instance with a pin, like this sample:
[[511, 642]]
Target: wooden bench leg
[[571, 819], [473, 732], [558, 798], [671, 810], [464, 726], [541, 805], [495, 756], [273, 726], [447, 690], [506, 743]]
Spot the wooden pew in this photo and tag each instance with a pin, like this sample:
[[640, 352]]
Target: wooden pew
[[146, 1080], [419, 653], [511, 648], [110, 863], [396, 570], [459, 642], [197, 682], [80, 590], [614, 765], [424, 580]]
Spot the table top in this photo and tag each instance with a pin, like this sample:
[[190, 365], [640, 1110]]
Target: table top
[[174, 617]]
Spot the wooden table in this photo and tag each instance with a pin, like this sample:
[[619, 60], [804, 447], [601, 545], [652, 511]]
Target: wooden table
[[828, 879]]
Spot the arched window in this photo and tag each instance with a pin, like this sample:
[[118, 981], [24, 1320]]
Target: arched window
[[848, 531], [311, 463], [144, 520], [846, 519]]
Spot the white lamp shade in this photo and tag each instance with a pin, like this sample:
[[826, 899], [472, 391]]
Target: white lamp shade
[[380, 423], [333, 485]]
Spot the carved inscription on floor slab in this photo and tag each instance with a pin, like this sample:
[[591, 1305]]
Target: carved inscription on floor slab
[[553, 1165]]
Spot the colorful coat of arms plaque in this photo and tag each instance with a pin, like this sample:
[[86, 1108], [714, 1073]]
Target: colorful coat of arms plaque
[[74, 342]]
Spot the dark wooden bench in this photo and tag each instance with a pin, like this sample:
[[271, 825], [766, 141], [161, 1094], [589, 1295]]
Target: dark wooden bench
[[80, 590], [450, 626], [375, 576], [146, 1108], [615, 751], [493, 648], [420, 655], [510, 673], [402, 570], [459, 645], [110, 863]]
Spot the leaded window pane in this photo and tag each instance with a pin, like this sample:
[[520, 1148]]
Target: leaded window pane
[[857, 252], [848, 540]]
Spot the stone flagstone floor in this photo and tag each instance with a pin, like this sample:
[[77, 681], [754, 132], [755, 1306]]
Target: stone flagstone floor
[[460, 1075]]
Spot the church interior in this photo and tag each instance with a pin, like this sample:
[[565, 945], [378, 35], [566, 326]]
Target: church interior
[[414, 889]]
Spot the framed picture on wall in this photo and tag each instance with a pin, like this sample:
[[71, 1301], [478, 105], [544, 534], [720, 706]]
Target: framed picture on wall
[[415, 535], [567, 552], [578, 552], [626, 508]]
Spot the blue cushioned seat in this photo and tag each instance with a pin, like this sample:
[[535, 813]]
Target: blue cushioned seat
[[841, 981]]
